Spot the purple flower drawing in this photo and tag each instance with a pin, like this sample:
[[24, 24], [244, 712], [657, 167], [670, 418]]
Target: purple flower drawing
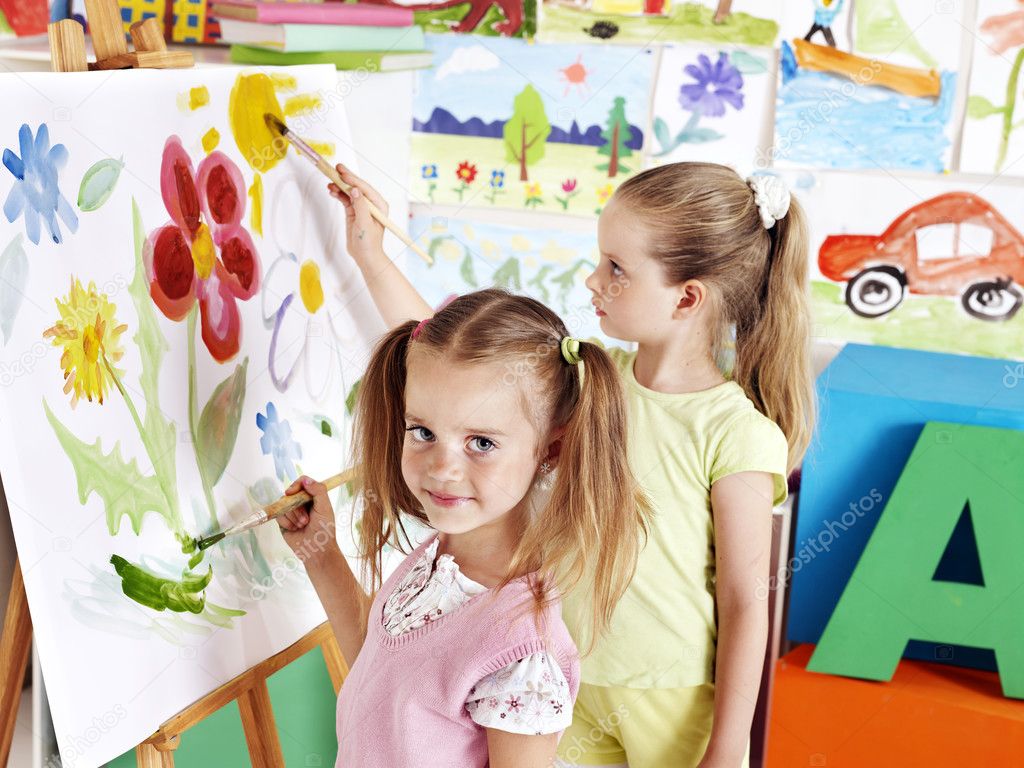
[[716, 85]]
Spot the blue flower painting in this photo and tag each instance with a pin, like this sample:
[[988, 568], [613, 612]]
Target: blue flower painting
[[36, 194], [277, 442], [713, 88]]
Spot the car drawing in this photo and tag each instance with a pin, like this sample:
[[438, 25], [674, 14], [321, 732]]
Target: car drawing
[[955, 244]]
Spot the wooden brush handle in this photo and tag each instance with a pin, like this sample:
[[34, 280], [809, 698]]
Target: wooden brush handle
[[332, 173], [290, 502]]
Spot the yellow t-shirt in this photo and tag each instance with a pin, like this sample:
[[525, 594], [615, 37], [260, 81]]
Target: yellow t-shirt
[[663, 632]]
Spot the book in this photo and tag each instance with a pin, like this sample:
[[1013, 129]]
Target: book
[[372, 61], [353, 14], [298, 38]]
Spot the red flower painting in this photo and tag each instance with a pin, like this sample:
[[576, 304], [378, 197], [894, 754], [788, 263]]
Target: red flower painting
[[203, 253]]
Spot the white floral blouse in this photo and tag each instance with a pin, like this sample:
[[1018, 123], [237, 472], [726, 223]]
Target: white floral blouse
[[529, 696]]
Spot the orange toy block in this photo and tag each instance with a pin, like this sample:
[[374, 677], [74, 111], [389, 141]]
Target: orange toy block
[[927, 715]]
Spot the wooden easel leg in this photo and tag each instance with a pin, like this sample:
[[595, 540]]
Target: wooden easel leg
[[336, 666], [15, 643], [148, 756], [260, 728]]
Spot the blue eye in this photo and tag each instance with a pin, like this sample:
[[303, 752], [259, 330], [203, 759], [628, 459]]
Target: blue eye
[[483, 444], [420, 434]]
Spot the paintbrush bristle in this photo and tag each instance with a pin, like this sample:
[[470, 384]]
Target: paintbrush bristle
[[274, 124], [207, 543]]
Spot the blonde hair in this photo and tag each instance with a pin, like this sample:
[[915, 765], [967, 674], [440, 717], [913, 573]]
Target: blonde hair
[[595, 522], [706, 226]]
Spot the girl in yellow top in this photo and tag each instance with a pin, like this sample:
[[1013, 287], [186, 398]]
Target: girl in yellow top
[[697, 265]]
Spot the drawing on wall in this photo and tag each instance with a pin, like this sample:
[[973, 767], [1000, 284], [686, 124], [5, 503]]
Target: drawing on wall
[[179, 344], [22, 18], [504, 18], [933, 264], [557, 130], [993, 141], [886, 101], [641, 22], [706, 101], [549, 265]]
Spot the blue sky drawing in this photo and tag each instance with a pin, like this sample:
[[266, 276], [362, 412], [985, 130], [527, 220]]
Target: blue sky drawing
[[488, 93]]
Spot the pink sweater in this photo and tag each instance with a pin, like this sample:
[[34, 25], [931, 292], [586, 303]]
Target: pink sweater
[[403, 704]]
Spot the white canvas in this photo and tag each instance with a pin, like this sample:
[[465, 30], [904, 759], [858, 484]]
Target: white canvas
[[710, 104], [121, 478], [973, 237], [993, 134]]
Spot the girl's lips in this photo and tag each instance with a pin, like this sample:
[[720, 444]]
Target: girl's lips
[[444, 500], [600, 313]]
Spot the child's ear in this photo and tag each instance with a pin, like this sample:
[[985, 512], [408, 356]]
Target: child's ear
[[693, 294], [554, 447]]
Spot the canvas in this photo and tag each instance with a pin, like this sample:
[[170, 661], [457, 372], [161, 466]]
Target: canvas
[[710, 103], [645, 22], [934, 264], [548, 264], [993, 140], [887, 102], [181, 332], [501, 123]]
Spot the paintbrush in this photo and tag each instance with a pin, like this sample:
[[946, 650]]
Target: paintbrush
[[284, 504], [277, 126]]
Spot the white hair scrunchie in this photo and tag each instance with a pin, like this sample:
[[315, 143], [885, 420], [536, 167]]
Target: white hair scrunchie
[[772, 198]]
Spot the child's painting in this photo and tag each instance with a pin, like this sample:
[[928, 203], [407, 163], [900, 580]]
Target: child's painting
[[709, 105], [884, 103], [505, 124], [23, 18], [490, 18], [645, 22], [993, 140], [931, 264], [548, 264], [181, 333]]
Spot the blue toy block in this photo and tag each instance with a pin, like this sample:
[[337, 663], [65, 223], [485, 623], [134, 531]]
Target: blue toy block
[[874, 402]]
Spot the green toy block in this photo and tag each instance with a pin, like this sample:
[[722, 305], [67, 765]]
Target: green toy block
[[892, 596]]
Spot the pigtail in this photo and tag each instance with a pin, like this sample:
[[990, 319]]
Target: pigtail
[[379, 435], [596, 518], [772, 348]]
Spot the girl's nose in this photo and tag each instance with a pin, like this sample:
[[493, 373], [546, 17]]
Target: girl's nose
[[445, 465], [592, 282]]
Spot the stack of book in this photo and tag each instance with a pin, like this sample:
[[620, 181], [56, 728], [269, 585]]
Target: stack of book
[[348, 35]]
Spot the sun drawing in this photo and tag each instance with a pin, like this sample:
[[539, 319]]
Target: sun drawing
[[575, 75]]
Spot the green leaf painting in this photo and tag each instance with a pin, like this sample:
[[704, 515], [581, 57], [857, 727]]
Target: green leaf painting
[[162, 594], [125, 491], [98, 183], [218, 423]]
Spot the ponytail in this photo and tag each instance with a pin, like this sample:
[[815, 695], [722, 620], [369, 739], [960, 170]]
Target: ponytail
[[597, 517], [773, 345], [380, 433]]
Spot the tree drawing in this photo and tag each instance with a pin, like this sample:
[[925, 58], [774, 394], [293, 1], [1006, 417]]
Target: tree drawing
[[526, 131], [616, 134]]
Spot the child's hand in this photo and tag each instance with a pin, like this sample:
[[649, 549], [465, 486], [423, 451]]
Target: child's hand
[[309, 529], [364, 236]]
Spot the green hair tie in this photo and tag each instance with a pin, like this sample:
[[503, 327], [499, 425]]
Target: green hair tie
[[571, 350]]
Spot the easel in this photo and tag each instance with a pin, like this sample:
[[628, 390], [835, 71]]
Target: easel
[[67, 51], [67, 42], [249, 688]]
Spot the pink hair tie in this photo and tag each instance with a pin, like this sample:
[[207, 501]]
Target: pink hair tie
[[448, 300]]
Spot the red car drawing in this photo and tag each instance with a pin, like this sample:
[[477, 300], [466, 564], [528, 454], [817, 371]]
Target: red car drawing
[[955, 244]]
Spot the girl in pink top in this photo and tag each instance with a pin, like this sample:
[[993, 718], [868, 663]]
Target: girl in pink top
[[461, 657]]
